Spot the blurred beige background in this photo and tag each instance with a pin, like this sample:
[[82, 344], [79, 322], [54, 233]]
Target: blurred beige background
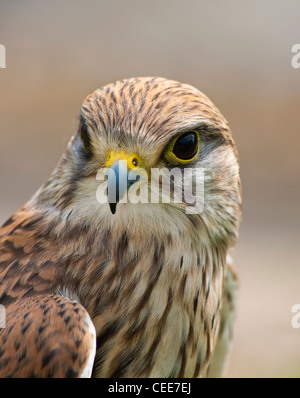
[[239, 54]]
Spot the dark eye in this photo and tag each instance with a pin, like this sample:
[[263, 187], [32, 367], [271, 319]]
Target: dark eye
[[186, 146]]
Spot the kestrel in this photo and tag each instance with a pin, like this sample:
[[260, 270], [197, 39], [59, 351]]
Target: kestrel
[[122, 289]]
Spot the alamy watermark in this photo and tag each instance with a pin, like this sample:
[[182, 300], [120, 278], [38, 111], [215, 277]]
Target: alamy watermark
[[296, 57], [180, 186], [2, 317], [296, 318], [2, 56]]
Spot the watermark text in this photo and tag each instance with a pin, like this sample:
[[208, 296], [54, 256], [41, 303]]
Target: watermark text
[[2, 317], [184, 187], [296, 317], [296, 57], [2, 56]]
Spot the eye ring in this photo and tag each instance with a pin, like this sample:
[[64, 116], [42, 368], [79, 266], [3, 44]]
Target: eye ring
[[184, 148]]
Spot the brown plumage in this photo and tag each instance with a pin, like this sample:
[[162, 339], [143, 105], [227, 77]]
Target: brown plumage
[[146, 287]]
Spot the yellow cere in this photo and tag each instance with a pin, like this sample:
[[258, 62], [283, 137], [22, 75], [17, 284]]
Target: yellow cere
[[133, 160]]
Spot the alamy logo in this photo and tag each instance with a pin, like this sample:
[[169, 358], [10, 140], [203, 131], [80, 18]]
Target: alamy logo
[[296, 57], [120, 184], [296, 317], [2, 56], [2, 317]]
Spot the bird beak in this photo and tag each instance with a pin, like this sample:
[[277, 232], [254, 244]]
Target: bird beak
[[123, 171]]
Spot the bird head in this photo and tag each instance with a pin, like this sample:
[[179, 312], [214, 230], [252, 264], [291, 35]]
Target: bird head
[[140, 130]]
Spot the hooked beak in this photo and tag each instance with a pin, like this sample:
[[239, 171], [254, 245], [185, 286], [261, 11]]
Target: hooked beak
[[122, 172]]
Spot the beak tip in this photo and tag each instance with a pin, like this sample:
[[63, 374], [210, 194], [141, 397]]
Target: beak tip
[[113, 207]]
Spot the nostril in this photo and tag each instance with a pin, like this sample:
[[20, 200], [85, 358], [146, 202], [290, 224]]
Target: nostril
[[135, 162]]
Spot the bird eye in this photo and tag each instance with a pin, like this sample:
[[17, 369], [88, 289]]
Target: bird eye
[[185, 148]]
